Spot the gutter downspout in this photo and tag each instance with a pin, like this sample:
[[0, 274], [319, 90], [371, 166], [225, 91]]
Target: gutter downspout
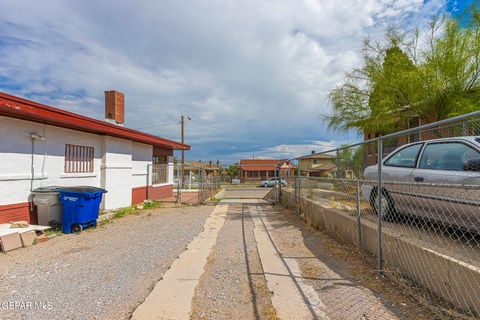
[[147, 196]]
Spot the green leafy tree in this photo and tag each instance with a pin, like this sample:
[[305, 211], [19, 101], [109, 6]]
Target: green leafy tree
[[351, 159], [232, 171], [434, 74]]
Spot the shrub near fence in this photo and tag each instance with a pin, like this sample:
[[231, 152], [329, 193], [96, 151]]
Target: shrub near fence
[[418, 212]]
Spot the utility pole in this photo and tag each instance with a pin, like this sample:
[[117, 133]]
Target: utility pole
[[182, 122]]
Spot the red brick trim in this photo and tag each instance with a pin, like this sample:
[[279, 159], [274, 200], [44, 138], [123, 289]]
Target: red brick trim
[[15, 212], [157, 152], [139, 194]]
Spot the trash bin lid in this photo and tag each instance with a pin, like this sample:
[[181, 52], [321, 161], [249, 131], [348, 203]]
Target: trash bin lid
[[48, 189], [82, 189]]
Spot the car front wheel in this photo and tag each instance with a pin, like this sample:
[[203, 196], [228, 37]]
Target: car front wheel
[[388, 208]]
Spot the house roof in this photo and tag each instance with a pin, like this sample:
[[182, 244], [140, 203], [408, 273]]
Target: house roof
[[323, 167], [263, 164], [15, 107], [204, 165]]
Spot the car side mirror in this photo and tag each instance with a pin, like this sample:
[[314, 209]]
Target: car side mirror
[[472, 165]]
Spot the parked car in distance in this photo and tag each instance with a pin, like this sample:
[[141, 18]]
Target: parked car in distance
[[437, 180], [272, 182]]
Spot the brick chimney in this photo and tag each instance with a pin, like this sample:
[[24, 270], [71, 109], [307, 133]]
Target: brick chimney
[[114, 107]]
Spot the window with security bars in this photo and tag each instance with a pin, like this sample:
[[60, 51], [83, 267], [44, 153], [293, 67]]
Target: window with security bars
[[159, 169], [78, 159]]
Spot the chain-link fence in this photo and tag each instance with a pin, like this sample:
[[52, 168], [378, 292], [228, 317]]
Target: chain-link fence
[[412, 200], [196, 183]]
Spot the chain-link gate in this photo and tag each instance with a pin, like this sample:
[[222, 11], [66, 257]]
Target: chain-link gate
[[197, 184]]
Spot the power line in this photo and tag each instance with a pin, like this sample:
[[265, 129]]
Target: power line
[[199, 122], [159, 124], [219, 128]]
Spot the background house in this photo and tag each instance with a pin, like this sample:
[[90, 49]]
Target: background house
[[407, 119], [44, 146], [195, 170], [261, 169], [318, 165]]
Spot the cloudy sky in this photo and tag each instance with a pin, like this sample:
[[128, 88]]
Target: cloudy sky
[[253, 75]]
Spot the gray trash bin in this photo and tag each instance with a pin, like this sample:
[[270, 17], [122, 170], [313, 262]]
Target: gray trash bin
[[49, 209]]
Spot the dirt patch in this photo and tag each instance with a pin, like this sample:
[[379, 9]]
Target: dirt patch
[[354, 276]]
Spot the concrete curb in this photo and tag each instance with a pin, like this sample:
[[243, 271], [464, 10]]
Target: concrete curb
[[171, 298]]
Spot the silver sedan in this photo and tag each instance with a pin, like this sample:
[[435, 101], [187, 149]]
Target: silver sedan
[[272, 182], [438, 180]]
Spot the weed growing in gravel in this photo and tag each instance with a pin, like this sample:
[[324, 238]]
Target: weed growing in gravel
[[54, 231], [152, 204], [272, 313], [123, 212], [148, 204], [104, 222]]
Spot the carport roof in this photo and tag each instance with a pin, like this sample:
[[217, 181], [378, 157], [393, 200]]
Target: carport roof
[[15, 107]]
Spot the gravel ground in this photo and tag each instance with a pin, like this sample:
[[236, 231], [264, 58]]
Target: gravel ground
[[99, 274], [233, 285]]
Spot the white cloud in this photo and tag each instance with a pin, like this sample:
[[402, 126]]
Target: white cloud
[[257, 71], [289, 151]]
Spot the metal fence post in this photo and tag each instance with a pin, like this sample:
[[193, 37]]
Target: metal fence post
[[359, 221], [297, 188], [279, 185], [275, 185], [379, 203], [201, 189], [337, 164], [179, 184]]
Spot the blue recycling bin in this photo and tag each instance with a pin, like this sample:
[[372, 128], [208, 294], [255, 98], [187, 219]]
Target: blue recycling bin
[[80, 207]]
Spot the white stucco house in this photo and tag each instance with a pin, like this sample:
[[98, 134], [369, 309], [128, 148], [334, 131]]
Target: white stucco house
[[44, 146]]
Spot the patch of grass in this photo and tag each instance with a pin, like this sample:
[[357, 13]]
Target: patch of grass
[[104, 222], [272, 313], [216, 200], [123, 212], [56, 231], [147, 205]]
